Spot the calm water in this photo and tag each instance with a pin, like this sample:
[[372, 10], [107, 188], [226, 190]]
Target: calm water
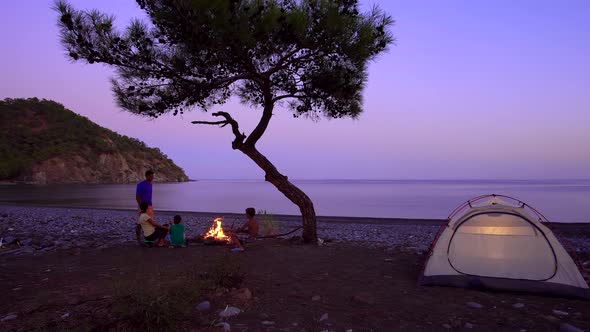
[[564, 201]]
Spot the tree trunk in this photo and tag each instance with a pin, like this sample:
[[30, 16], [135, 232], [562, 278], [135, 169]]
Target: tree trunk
[[294, 194]]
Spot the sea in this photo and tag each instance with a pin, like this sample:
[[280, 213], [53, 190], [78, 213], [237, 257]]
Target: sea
[[558, 200]]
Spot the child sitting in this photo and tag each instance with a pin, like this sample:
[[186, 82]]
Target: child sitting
[[247, 233], [177, 233]]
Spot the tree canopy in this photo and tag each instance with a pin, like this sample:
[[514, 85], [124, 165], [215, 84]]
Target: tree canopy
[[313, 54]]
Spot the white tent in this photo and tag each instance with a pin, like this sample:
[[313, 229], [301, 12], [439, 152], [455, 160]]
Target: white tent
[[490, 243]]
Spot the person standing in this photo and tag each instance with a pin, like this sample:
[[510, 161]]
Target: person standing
[[143, 194]]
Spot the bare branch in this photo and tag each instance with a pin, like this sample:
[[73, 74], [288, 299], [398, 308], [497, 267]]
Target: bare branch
[[234, 127], [220, 123], [229, 120]]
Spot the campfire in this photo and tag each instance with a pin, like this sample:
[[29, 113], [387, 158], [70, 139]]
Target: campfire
[[215, 235]]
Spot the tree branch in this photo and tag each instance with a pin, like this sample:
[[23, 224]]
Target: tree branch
[[257, 133], [239, 137], [275, 99], [279, 63], [221, 123]]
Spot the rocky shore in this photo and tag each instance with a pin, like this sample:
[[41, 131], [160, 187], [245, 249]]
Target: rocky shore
[[35, 230]]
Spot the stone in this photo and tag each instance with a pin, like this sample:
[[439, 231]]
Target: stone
[[551, 319], [9, 239], [26, 250], [468, 326], [267, 323], [447, 326], [9, 317], [229, 312], [324, 317], [225, 326], [560, 313], [569, 328], [203, 306], [474, 305], [518, 305], [316, 298], [66, 315], [242, 294], [364, 298]]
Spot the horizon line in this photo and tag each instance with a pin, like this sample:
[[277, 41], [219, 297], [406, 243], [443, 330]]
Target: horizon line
[[390, 179]]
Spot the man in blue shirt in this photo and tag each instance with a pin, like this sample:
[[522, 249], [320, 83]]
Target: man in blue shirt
[[143, 193]]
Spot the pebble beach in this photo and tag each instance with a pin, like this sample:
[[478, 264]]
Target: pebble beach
[[28, 230]]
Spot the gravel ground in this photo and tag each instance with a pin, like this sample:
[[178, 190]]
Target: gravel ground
[[33, 230]]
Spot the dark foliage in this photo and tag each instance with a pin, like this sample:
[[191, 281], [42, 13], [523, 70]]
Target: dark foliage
[[313, 54], [33, 130]]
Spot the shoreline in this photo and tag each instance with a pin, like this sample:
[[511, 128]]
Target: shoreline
[[28, 229], [286, 217]]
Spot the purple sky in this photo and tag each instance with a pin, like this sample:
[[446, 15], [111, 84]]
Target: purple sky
[[473, 89]]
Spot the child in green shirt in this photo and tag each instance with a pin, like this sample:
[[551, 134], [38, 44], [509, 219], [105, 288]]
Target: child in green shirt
[[177, 233]]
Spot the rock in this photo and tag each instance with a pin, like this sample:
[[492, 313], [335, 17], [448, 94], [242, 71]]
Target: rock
[[518, 305], [267, 323], [364, 298], [349, 330], [242, 294], [316, 298], [26, 242], [66, 315], [468, 326], [26, 250], [229, 312], [569, 328], [203, 306], [560, 313], [551, 319], [324, 317], [225, 326], [447, 326], [474, 305], [9, 239], [9, 317]]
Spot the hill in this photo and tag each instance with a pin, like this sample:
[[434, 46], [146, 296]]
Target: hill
[[42, 142]]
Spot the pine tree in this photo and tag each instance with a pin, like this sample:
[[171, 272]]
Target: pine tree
[[310, 56]]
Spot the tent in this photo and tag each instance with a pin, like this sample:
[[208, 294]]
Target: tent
[[494, 242]]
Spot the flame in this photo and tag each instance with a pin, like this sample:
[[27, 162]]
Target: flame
[[216, 231]]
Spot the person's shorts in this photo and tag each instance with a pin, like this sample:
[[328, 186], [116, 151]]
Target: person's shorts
[[245, 238], [159, 233]]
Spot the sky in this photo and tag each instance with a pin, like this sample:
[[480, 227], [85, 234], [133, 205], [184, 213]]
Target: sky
[[470, 90]]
